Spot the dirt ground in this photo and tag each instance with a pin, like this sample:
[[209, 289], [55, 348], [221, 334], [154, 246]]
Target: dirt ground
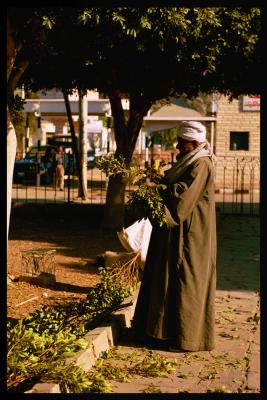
[[77, 246]]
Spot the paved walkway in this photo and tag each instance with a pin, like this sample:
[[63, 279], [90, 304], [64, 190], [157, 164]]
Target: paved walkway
[[233, 366]]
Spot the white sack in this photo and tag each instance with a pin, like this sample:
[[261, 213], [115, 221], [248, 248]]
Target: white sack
[[136, 237]]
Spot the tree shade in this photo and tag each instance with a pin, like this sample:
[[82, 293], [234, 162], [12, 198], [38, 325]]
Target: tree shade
[[147, 54]]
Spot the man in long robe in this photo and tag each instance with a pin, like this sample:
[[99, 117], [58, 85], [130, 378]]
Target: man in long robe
[[177, 293]]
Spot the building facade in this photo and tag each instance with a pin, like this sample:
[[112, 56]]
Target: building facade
[[234, 131], [237, 143]]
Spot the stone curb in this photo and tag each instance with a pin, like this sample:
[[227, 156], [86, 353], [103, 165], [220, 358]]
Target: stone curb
[[99, 339]]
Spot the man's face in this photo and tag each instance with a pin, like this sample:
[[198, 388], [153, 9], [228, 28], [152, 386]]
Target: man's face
[[184, 146]]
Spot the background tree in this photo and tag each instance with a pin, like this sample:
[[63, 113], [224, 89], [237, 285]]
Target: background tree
[[27, 30], [151, 53], [26, 42]]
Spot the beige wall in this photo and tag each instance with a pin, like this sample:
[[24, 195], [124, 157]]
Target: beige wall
[[230, 117], [237, 169]]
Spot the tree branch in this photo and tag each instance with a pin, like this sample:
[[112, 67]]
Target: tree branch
[[13, 48], [139, 106], [16, 74]]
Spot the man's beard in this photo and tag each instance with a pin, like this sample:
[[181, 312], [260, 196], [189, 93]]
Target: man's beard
[[180, 154]]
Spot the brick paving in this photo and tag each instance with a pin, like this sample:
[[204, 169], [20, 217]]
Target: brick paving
[[233, 366]]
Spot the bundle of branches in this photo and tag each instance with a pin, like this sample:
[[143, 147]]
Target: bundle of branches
[[128, 271], [111, 165], [146, 201]]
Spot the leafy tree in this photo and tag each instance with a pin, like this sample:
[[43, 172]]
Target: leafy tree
[[28, 32], [151, 53], [167, 138], [26, 43]]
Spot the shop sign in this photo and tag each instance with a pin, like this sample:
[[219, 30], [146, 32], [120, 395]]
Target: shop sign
[[251, 103], [95, 126]]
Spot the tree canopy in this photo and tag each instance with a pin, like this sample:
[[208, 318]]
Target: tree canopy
[[154, 51], [147, 54], [150, 53], [27, 43]]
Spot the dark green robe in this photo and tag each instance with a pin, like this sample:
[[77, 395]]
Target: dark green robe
[[177, 293]]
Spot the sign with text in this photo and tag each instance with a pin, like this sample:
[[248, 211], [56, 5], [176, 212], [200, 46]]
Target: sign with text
[[95, 126], [251, 103]]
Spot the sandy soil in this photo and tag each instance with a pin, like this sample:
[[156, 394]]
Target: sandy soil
[[77, 247]]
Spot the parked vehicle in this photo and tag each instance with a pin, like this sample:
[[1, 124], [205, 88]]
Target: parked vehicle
[[91, 158], [66, 142], [26, 168]]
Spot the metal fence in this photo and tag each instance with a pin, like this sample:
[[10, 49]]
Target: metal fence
[[236, 191], [238, 185]]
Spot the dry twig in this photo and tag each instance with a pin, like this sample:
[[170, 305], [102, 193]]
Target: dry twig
[[127, 272]]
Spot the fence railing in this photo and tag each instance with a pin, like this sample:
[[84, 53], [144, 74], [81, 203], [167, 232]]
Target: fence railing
[[238, 184], [236, 191]]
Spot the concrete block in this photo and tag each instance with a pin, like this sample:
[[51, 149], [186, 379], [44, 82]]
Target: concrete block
[[119, 318], [98, 337], [44, 388], [112, 329], [84, 359], [129, 312], [124, 316]]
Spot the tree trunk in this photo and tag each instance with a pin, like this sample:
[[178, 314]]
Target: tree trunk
[[126, 135], [13, 48], [11, 155], [74, 138], [83, 113], [114, 211]]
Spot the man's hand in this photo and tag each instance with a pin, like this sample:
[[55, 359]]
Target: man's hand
[[148, 182]]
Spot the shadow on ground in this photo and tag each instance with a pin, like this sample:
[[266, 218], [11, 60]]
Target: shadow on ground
[[73, 230], [238, 252], [67, 226], [56, 286]]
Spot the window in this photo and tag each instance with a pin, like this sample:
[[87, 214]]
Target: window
[[239, 140]]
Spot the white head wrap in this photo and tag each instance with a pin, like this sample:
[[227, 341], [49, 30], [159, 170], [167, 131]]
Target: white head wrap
[[192, 130]]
